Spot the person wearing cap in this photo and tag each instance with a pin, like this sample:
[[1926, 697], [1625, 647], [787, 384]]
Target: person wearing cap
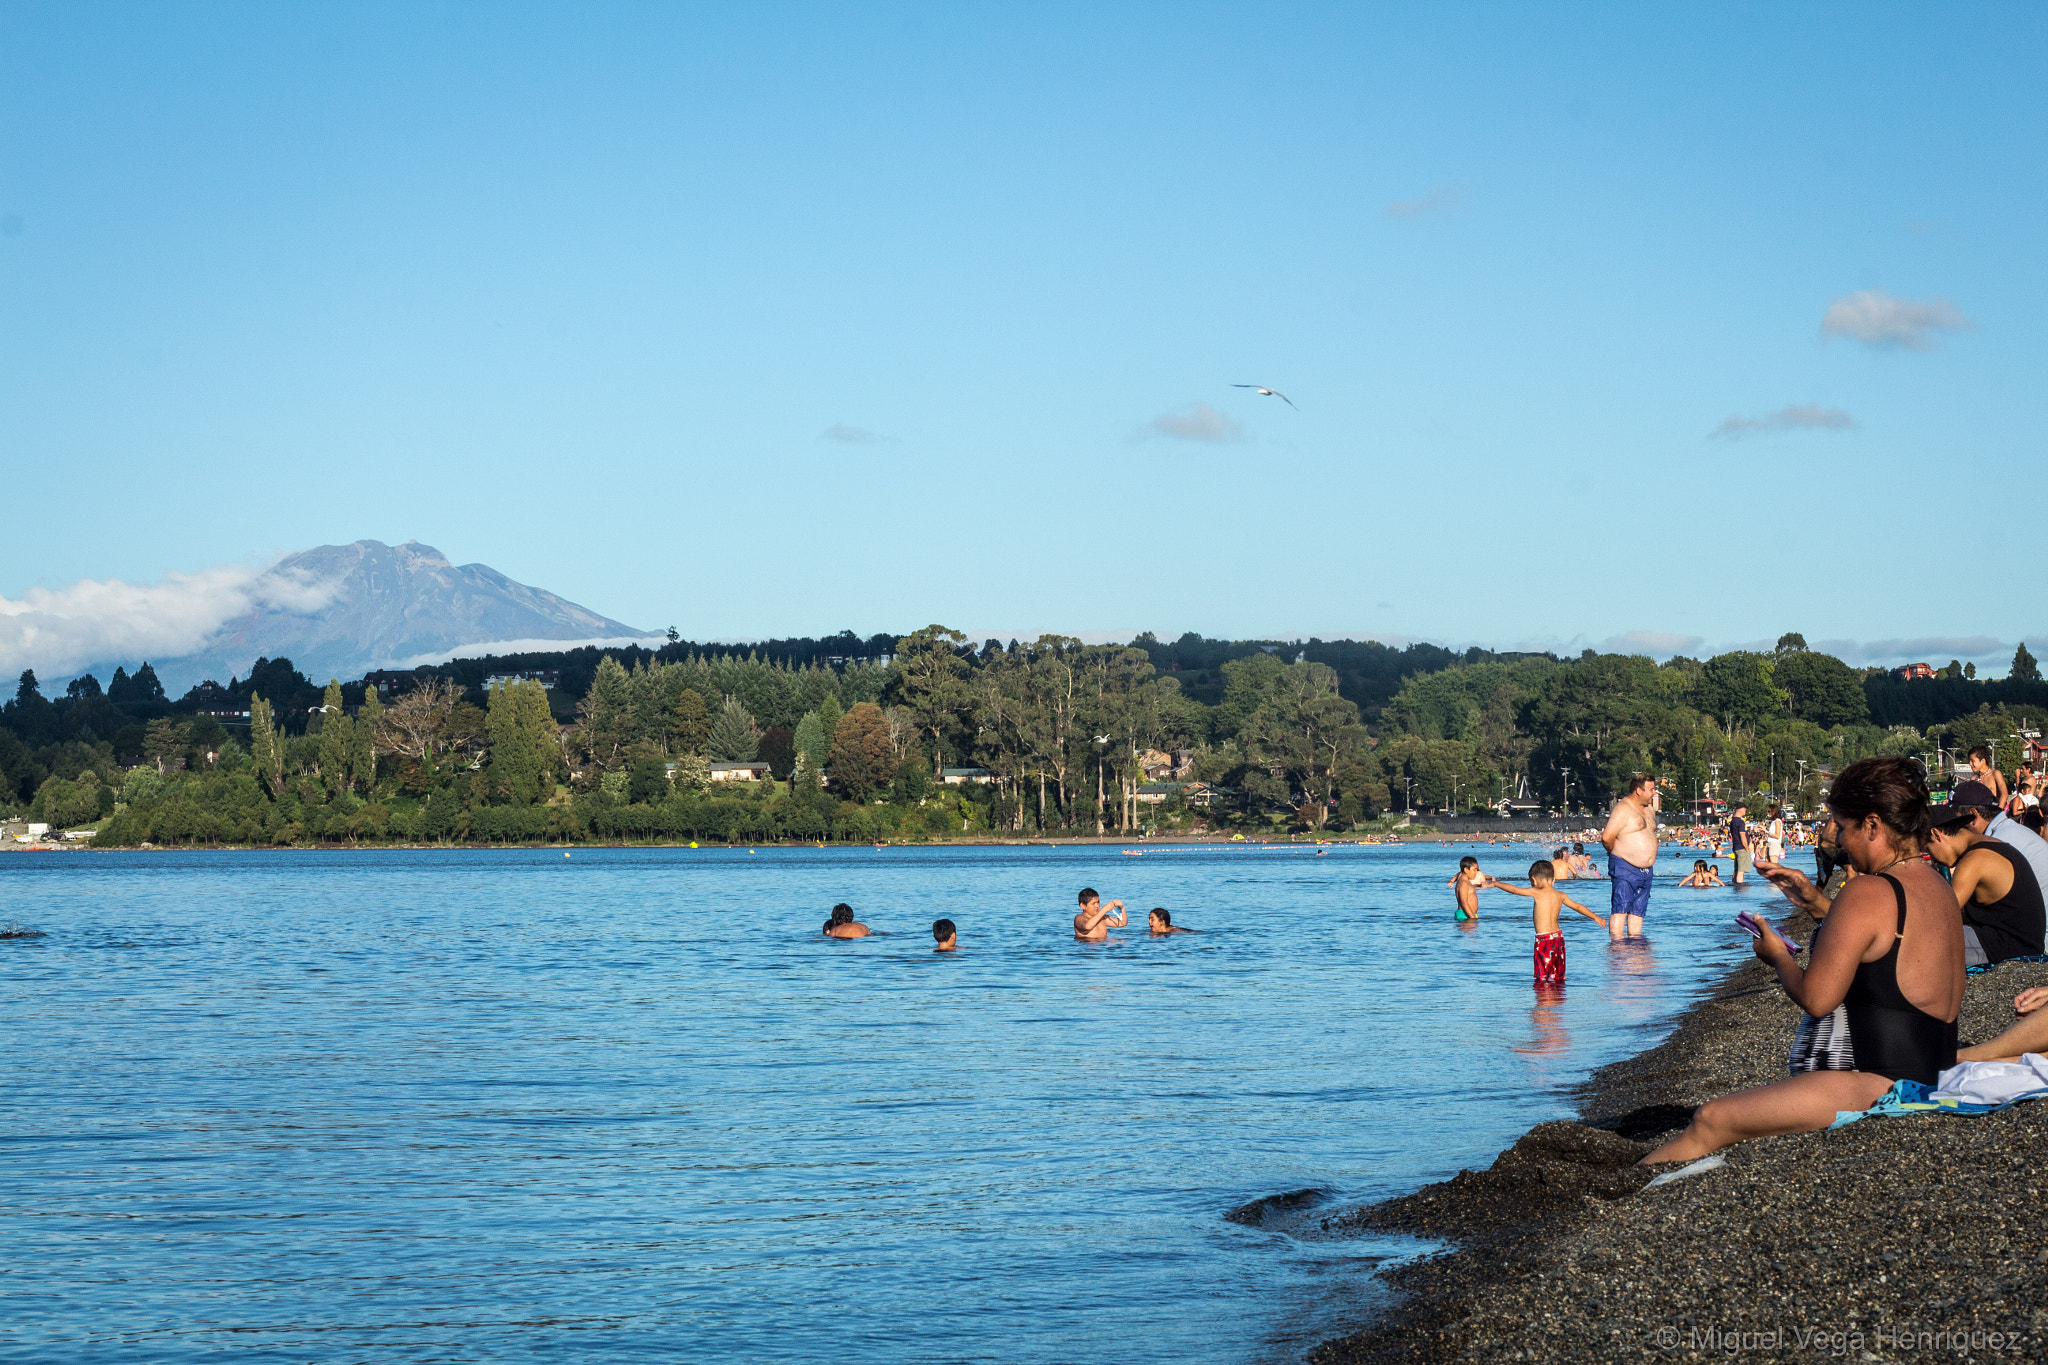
[[1998, 825], [1997, 881]]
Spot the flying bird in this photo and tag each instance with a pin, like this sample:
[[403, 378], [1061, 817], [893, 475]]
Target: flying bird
[[1265, 392]]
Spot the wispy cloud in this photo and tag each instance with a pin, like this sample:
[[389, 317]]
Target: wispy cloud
[[1934, 649], [853, 436], [1875, 318], [485, 648], [1197, 422], [1796, 417], [1655, 643], [1443, 199], [62, 630]]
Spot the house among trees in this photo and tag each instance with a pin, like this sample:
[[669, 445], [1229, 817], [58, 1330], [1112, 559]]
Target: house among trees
[[751, 771], [953, 777], [1912, 671], [550, 678]]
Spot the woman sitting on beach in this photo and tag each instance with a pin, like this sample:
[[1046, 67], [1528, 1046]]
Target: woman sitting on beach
[[843, 924], [1884, 982]]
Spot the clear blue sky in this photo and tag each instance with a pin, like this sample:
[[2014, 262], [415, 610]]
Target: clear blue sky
[[763, 320]]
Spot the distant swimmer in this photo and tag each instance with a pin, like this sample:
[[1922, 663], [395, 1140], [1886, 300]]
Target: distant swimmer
[[1549, 951], [1469, 881], [1160, 922], [1095, 921], [844, 925], [1562, 861], [947, 936], [1582, 863]]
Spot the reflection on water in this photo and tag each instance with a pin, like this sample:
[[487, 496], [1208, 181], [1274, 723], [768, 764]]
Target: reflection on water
[[1548, 1036], [496, 1105]]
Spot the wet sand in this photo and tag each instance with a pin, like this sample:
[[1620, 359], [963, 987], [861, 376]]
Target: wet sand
[[1862, 1243]]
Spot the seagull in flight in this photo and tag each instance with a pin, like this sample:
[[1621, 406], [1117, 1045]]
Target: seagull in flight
[[1265, 392]]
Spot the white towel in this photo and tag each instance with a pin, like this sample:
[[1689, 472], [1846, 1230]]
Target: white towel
[[1994, 1082]]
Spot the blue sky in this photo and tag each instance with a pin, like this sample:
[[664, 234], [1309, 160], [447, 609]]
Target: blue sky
[[1604, 323]]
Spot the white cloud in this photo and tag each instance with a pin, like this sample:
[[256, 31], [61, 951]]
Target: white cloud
[[853, 436], [1198, 422], [59, 631], [503, 647], [1875, 318], [1796, 417], [1655, 643], [1981, 650], [1442, 199]]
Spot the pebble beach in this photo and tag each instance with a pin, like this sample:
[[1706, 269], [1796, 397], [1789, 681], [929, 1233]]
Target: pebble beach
[[1891, 1239]]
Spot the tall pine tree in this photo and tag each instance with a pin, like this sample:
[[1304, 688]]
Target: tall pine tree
[[337, 740], [266, 746]]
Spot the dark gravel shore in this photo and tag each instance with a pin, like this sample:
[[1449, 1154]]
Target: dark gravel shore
[[1864, 1243]]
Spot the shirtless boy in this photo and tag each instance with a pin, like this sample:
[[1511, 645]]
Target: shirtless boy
[[1160, 922], [947, 936], [1095, 921], [843, 924], [1549, 900], [1994, 778], [1631, 843], [1469, 881]]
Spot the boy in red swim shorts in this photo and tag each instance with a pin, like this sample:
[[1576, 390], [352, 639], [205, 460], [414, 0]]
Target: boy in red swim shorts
[[1549, 900]]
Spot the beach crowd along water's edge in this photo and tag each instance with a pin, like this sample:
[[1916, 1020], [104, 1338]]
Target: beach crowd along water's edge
[[1889, 1239]]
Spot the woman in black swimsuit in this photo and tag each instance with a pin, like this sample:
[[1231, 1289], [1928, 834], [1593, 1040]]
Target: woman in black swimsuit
[[1890, 956]]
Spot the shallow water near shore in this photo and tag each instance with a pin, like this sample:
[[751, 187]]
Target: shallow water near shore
[[505, 1105]]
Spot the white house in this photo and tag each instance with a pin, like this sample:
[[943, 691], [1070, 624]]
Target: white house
[[953, 777], [739, 772]]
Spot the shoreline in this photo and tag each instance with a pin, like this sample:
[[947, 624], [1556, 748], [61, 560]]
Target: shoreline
[[1855, 1242]]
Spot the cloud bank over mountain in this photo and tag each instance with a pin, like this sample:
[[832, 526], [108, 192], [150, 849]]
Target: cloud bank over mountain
[[335, 611]]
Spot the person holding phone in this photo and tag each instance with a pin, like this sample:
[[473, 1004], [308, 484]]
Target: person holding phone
[[1882, 986]]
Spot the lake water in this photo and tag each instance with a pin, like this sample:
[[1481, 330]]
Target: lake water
[[509, 1105]]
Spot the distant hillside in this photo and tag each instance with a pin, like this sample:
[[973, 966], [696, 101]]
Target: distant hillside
[[371, 605]]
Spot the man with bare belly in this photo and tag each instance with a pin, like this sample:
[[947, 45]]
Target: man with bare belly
[[1631, 843]]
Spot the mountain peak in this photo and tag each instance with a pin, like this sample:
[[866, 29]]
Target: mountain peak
[[341, 610]]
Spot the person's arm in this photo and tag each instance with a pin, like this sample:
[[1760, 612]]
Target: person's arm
[[1508, 887], [1567, 900], [1121, 919], [1975, 869], [2027, 1001], [1091, 920], [1824, 982], [1798, 888], [1614, 830]]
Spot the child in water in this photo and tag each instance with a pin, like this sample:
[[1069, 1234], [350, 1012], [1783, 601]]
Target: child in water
[[946, 935], [1160, 922], [1704, 873], [1469, 881], [843, 924], [1549, 953]]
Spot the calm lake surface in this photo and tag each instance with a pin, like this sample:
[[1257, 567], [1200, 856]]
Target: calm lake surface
[[473, 1105]]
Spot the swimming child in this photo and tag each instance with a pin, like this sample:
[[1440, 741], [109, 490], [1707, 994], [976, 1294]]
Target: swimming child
[[1549, 952], [1583, 864], [1160, 921], [947, 936], [843, 924], [1704, 873], [1094, 922], [1469, 881]]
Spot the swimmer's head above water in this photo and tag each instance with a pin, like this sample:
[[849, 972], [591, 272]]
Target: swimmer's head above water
[[944, 933], [1541, 873]]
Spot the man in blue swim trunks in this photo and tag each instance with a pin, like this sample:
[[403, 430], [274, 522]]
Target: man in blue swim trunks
[[1631, 843]]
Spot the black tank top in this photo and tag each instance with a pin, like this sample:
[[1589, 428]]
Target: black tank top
[[2012, 926], [1892, 1036]]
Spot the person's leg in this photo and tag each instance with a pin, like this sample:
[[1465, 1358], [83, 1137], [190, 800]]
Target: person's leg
[[2029, 1033], [1801, 1104]]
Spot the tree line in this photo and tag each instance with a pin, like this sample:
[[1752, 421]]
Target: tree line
[[1060, 735]]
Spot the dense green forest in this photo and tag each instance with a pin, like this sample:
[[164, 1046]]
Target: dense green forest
[[857, 734]]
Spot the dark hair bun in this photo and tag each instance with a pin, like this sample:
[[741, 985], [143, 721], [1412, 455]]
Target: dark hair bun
[[1892, 789]]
